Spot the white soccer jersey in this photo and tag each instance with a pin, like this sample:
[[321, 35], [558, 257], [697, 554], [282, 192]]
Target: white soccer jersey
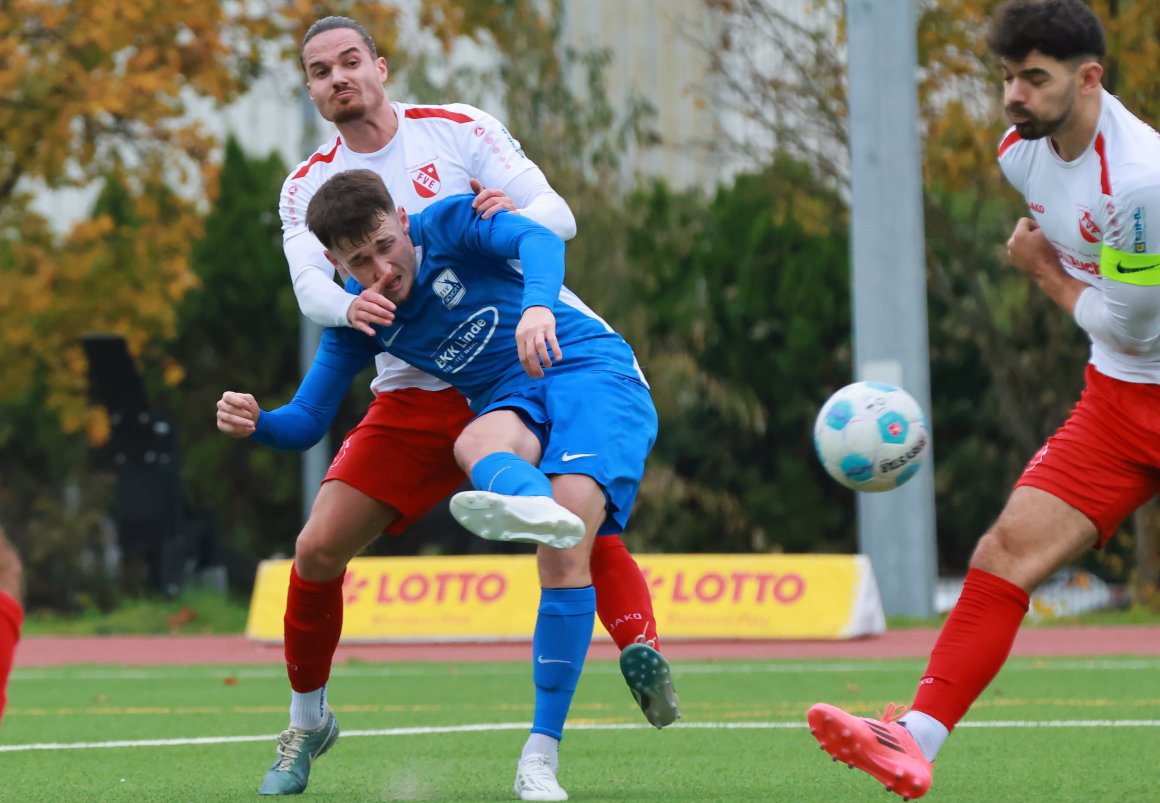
[[432, 155], [1101, 211]]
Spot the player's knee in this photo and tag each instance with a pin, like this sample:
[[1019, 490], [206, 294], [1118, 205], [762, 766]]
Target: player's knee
[[316, 560], [11, 569], [563, 568]]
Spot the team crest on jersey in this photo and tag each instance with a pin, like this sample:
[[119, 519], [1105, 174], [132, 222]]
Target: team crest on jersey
[[449, 289], [1088, 228], [426, 180]]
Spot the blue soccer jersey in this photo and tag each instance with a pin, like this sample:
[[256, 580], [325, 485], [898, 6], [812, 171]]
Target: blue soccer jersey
[[459, 322]]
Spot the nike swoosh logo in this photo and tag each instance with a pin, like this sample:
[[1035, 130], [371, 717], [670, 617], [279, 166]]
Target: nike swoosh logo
[[386, 344], [542, 660], [1121, 269], [568, 458]]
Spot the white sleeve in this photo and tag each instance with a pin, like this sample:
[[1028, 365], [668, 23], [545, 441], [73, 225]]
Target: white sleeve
[[319, 298], [1123, 316], [1127, 315], [535, 198]]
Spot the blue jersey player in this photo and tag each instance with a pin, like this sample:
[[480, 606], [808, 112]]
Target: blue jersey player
[[564, 417]]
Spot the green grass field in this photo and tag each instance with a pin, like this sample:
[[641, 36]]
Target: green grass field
[[1046, 730]]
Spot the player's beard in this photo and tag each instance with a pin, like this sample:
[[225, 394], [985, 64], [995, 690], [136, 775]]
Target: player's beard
[[1037, 127], [353, 109]]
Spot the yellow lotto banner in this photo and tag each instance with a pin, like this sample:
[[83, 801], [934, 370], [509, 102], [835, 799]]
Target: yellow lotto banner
[[494, 597]]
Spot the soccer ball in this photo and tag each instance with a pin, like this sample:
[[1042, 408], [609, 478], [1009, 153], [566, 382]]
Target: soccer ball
[[871, 436]]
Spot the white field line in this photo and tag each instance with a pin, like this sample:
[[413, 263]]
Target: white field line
[[510, 726], [594, 668]]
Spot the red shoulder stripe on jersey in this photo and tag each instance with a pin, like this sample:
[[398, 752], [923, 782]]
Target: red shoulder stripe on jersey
[[428, 111], [1105, 182], [1008, 141], [318, 157]]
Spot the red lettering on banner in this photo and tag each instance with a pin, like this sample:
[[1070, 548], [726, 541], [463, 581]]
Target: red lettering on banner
[[797, 585], [702, 591], [740, 587], [497, 580], [418, 585]]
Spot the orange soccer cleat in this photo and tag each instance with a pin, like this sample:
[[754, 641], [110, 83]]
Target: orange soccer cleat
[[882, 748]]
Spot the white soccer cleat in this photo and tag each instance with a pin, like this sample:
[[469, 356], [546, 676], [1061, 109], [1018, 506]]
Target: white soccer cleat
[[536, 779], [528, 519]]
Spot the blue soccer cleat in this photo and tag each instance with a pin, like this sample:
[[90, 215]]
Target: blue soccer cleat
[[297, 749]]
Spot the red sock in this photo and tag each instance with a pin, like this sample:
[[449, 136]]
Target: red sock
[[623, 601], [11, 617], [972, 647], [312, 626]]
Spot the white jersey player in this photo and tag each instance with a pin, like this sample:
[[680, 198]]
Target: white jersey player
[[1090, 175]]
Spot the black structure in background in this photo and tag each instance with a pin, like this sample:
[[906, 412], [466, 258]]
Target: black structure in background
[[162, 543]]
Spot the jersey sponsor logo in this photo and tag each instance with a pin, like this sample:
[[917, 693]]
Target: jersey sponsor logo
[[449, 289], [1035, 206], [426, 180], [1139, 238], [1076, 264], [467, 342], [1088, 228]]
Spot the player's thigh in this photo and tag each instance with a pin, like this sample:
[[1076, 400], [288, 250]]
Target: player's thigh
[[1036, 534], [496, 431], [401, 452], [342, 522], [583, 496]]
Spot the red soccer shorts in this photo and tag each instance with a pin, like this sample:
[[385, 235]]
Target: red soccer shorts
[[1105, 459], [400, 453]]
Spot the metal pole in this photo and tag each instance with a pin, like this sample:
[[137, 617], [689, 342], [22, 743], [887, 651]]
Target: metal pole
[[896, 529]]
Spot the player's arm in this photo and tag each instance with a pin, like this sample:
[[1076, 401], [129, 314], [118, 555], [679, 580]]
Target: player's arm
[[1125, 309], [508, 178], [1034, 255], [541, 253], [305, 419]]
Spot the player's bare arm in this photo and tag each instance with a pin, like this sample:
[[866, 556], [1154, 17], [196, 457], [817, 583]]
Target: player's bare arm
[[1034, 255], [237, 414], [489, 201], [536, 341]]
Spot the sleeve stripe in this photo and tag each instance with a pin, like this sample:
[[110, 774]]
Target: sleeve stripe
[[1008, 141], [419, 113], [318, 157], [1105, 181]]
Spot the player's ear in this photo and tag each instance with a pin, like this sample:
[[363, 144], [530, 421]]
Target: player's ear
[[1090, 73], [334, 260], [404, 221]]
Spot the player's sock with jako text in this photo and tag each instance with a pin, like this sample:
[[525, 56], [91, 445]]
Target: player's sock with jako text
[[559, 646], [509, 474], [971, 648], [312, 627], [308, 709], [623, 600]]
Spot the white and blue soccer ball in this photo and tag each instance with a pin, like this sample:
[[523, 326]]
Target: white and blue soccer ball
[[871, 436]]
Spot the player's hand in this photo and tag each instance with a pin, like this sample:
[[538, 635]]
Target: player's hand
[[488, 202], [237, 414], [1030, 250], [371, 309], [536, 341]]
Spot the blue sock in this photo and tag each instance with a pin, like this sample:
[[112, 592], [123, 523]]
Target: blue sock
[[509, 474], [559, 646]]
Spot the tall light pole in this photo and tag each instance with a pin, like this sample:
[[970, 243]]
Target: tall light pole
[[895, 529]]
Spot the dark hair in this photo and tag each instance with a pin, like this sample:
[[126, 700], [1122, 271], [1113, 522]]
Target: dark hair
[[1061, 29], [333, 24], [348, 207]]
